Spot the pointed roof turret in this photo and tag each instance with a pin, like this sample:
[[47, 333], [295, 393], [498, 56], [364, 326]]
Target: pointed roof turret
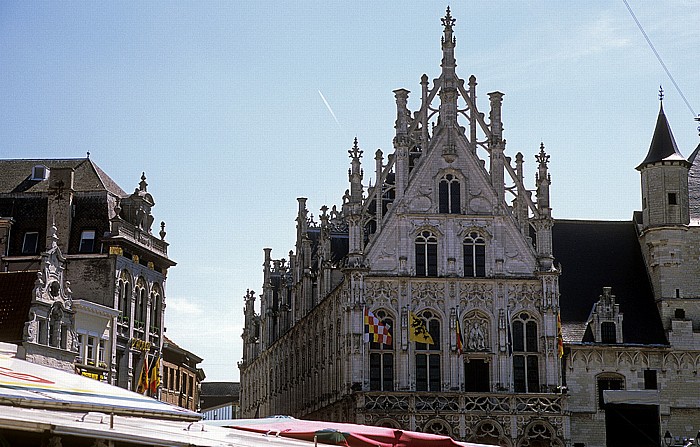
[[663, 145]]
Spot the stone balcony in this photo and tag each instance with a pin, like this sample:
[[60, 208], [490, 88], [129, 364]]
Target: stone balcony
[[126, 231]]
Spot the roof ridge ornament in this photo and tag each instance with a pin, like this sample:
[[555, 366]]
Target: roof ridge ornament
[[447, 21]]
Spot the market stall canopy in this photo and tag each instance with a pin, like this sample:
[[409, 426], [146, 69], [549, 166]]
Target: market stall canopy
[[28, 385], [334, 433]]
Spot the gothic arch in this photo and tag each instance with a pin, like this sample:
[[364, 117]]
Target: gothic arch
[[491, 432], [540, 434], [437, 426], [388, 422]]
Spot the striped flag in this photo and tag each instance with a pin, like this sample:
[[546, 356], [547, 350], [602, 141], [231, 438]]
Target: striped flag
[[375, 330], [560, 338]]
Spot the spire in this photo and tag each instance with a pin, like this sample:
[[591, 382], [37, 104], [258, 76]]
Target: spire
[[543, 180], [663, 146], [448, 43], [448, 92], [355, 173]]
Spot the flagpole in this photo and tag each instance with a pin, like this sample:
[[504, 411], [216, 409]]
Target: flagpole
[[459, 353], [364, 361]]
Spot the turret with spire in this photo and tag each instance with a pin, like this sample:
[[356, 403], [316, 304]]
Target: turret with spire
[[664, 173]]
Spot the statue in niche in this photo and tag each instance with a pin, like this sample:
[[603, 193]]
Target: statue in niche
[[477, 339]]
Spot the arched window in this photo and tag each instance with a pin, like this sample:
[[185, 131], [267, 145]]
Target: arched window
[[428, 355], [141, 306], [526, 377], [448, 192], [381, 359], [124, 298], [426, 254], [155, 311], [474, 250]]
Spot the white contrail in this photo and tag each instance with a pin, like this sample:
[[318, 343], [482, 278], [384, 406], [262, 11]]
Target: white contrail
[[328, 106]]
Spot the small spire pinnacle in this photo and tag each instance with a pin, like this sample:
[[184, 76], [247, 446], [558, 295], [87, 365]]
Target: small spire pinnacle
[[697, 118], [542, 158], [661, 93], [447, 21], [355, 152]]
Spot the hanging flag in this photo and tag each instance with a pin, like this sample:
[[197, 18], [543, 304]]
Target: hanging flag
[[460, 344], [375, 330], [142, 387], [154, 383], [560, 337], [417, 330]]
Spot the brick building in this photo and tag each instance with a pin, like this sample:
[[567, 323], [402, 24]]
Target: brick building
[[449, 242], [181, 376]]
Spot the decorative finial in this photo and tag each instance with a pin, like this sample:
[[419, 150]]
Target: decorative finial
[[447, 21], [88, 154], [542, 158], [142, 183], [697, 118], [661, 93], [162, 231], [355, 152]]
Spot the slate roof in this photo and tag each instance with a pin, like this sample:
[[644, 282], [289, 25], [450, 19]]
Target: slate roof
[[663, 145], [597, 254], [15, 176], [15, 300]]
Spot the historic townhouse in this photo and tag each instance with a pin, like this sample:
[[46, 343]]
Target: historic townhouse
[[432, 300], [69, 221], [437, 244]]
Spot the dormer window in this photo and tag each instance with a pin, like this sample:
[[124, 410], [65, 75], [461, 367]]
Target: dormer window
[[87, 241], [30, 243], [40, 172]]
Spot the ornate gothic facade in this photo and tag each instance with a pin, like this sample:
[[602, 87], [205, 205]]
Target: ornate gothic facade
[[450, 234]]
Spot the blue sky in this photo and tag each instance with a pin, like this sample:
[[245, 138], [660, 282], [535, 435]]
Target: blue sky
[[219, 104]]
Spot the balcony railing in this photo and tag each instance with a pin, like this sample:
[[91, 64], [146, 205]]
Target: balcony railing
[[123, 229], [452, 402]]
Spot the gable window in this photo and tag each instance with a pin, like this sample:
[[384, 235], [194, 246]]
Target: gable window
[[608, 332], [474, 250], [30, 243], [87, 241], [449, 199], [426, 254], [381, 359], [428, 356], [526, 377]]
